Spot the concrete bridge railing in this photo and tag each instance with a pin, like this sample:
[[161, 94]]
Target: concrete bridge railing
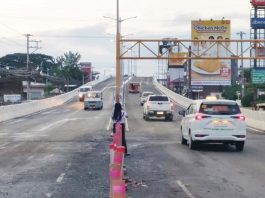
[[254, 119], [14, 111]]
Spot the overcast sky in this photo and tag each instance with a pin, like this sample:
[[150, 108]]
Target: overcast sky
[[79, 25]]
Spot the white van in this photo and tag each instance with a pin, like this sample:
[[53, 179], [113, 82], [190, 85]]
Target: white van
[[83, 90]]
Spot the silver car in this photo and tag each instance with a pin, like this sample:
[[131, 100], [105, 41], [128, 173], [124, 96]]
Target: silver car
[[144, 96]]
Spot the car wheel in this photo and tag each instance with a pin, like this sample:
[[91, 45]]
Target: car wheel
[[192, 144], [240, 146]]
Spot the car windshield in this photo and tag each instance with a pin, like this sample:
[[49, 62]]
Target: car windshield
[[93, 95], [84, 89], [147, 94], [219, 109], [158, 98]]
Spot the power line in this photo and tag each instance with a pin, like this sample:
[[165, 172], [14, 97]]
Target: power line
[[73, 36], [10, 28]]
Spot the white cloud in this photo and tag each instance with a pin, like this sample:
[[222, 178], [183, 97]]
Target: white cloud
[[84, 18]]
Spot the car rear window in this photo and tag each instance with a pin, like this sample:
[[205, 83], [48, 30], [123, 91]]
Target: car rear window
[[147, 94], [219, 109], [84, 89], [158, 98]]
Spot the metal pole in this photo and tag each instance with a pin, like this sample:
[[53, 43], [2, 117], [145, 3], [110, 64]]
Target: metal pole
[[242, 66], [118, 56], [189, 80], [28, 70]]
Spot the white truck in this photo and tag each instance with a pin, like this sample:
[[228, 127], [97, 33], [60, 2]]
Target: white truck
[[83, 90], [93, 100], [158, 106]]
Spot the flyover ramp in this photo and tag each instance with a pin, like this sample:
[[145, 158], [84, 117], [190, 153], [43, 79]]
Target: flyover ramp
[[23, 109]]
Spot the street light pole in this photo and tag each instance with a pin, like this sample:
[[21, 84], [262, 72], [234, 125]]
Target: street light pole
[[118, 69], [242, 66]]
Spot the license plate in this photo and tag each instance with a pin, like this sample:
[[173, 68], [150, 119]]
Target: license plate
[[220, 122], [159, 113]]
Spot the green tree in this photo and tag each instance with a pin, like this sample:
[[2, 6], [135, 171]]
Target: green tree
[[230, 92], [68, 67], [37, 61]]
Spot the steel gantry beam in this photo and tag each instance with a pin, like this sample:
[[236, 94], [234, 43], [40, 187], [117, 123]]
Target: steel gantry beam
[[150, 49]]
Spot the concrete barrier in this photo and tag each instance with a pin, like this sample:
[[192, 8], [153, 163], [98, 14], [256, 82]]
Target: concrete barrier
[[254, 119], [14, 111]]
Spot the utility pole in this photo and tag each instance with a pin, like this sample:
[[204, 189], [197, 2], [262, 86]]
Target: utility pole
[[28, 70], [28, 67], [118, 65], [242, 66]]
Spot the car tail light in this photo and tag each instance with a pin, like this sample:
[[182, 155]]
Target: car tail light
[[200, 117], [239, 117]]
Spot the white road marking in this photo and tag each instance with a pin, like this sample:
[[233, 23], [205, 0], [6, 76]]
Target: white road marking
[[48, 194], [53, 124], [126, 125], [186, 191], [30, 157], [60, 178], [257, 130], [108, 128], [17, 121]]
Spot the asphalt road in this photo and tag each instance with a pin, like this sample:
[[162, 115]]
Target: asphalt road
[[63, 152]]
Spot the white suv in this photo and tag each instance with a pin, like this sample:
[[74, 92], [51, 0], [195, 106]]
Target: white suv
[[213, 121]]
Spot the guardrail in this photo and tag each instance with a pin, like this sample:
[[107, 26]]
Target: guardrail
[[18, 110], [254, 119]]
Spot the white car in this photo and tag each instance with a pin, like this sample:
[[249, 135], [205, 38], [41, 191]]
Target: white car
[[93, 100], [83, 90], [158, 106], [213, 121], [144, 96]]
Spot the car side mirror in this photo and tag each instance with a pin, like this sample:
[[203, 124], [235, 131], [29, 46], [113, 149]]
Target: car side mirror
[[182, 112]]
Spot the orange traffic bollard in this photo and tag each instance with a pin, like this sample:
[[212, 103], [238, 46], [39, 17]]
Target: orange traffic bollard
[[112, 148], [118, 189], [115, 174], [119, 157], [117, 136]]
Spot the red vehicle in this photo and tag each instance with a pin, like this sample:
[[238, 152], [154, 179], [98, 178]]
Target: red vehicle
[[134, 87]]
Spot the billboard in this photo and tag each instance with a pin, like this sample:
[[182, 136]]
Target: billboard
[[85, 67], [258, 2], [257, 23], [210, 71], [258, 75], [177, 59]]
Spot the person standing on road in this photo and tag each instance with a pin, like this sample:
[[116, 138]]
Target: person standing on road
[[119, 116]]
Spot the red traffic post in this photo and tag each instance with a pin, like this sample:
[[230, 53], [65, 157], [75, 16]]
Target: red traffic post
[[118, 189], [112, 148], [117, 137]]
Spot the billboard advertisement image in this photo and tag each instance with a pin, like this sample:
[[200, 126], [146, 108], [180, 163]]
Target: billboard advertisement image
[[177, 59], [211, 71]]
